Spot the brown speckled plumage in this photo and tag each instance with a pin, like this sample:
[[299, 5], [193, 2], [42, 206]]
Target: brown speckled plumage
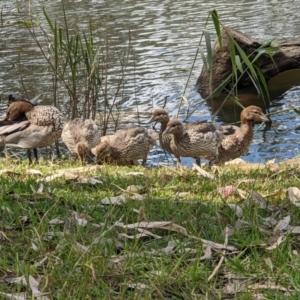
[[238, 139], [31, 126], [81, 135], [127, 145], [161, 116], [199, 139]]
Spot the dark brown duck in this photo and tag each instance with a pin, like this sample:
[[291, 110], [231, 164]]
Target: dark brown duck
[[237, 140]]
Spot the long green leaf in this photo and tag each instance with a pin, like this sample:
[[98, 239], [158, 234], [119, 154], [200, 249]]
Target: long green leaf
[[232, 56], [208, 49], [48, 20], [216, 21], [262, 80], [239, 63], [245, 59], [203, 58]]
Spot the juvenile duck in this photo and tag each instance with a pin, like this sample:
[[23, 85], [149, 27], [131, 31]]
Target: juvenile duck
[[27, 126], [161, 116], [127, 145], [80, 136], [198, 139], [237, 140]]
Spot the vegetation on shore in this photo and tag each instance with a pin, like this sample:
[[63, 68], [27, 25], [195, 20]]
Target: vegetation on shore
[[70, 232]]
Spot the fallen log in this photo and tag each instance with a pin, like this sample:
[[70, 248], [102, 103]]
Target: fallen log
[[286, 58]]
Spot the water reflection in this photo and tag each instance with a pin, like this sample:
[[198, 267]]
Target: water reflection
[[164, 39]]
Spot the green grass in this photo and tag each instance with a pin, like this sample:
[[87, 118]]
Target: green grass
[[94, 262]]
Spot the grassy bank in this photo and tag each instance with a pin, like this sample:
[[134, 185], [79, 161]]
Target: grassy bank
[[63, 235]]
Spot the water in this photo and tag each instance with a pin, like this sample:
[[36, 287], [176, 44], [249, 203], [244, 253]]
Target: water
[[164, 39]]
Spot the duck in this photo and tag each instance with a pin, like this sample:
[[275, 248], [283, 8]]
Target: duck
[[160, 115], [126, 145], [236, 139], [81, 135], [198, 139], [28, 126]]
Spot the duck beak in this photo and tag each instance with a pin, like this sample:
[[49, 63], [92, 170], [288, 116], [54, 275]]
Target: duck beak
[[166, 131], [265, 118]]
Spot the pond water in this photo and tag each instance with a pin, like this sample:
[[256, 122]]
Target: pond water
[[164, 38]]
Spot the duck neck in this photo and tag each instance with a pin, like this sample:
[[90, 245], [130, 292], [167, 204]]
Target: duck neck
[[163, 126], [178, 137], [247, 127]]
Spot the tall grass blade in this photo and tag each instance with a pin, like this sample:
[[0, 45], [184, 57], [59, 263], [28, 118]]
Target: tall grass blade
[[262, 81], [209, 55], [217, 24], [48, 20], [245, 59], [205, 66]]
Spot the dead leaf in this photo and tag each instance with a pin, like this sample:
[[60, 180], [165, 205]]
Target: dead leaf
[[134, 188], [118, 200], [170, 248], [282, 225], [237, 210], [271, 161], [40, 189], [34, 172], [294, 229], [6, 210], [269, 221], [15, 296], [269, 263], [138, 197], [277, 243], [202, 172], [89, 180], [275, 194], [81, 248], [166, 225], [138, 286], [217, 246], [227, 190], [33, 284], [34, 246], [294, 195], [259, 199], [270, 286], [56, 221], [233, 288], [207, 253], [79, 221], [235, 161], [3, 236]]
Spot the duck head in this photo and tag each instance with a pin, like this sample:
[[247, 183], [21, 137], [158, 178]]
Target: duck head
[[174, 127], [101, 151], [160, 115], [253, 114], [17, 109]]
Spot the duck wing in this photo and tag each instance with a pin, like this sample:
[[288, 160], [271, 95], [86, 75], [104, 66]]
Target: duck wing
[[229, 129], [128, 135], [45, 115], [9, 127], [200, 127]]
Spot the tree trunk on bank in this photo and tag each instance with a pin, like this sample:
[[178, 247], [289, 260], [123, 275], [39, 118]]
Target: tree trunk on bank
[[286, 58]]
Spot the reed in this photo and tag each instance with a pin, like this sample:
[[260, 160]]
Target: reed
[[242, 64], [79, 63]]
